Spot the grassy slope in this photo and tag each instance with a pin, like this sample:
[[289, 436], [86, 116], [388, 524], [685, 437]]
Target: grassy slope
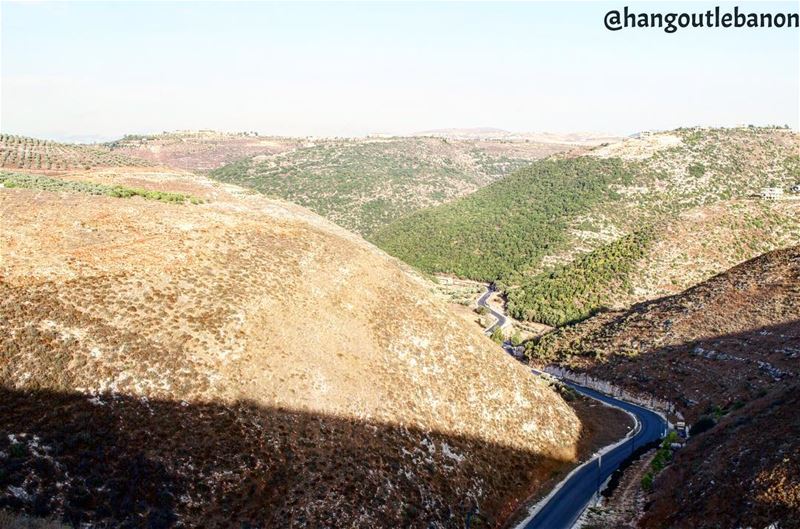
[[44, 183]]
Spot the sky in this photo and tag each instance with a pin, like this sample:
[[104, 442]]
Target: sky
[[98, 70]]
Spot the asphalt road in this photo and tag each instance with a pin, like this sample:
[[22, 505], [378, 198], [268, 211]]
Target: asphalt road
[[566, 505], [499, 316]]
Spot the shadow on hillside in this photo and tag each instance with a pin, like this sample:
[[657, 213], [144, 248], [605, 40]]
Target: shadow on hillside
[[719, 370], [127, 462], [744, 469], [764, 340]]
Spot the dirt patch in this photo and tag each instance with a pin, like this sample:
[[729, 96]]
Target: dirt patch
[[601, 425], [626, 505]]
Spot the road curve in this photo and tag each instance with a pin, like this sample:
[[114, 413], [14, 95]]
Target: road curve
[[573, 495], [567, 503], [499, 316]]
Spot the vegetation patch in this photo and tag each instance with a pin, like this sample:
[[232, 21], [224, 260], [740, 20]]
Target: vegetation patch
[[28, 181], [520, 231], [572, 292], [508, 226], [660, 461], [365, 185]]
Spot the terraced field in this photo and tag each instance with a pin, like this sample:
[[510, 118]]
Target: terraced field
[[20, 152]]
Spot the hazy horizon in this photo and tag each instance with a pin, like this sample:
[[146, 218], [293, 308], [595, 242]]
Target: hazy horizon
[[98, 71]]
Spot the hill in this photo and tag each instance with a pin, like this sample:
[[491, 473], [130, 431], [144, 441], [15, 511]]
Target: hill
[[506, 226], [719, 342], [364, 184], [182, 363], [726, 353], [20, 152], [527, 231], [728, 477], [201, 150]]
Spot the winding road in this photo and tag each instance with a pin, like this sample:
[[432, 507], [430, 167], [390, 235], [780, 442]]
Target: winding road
[[499, 316], [567, 501]]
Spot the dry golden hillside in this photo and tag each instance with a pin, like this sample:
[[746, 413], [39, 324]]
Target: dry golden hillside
[[242, 361], [698, 243], [202, 150]]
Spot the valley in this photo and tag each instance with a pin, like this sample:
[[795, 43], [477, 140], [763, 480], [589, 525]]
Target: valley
[[399, 265], [725, 354], [366, 184], [645, 217], [143, 286]]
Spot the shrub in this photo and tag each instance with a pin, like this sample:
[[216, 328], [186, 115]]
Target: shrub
[[696, 170], [647, 482], [703, 424]]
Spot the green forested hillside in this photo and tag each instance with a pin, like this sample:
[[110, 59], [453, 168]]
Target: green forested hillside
[[363, 185], [573, 291], [509, 225], [528, 231]]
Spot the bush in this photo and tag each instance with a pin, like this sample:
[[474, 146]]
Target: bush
[[703, 424], [647, 482], [696, 170], [17, 450]]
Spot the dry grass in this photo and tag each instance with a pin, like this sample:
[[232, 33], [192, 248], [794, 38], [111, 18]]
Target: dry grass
[[243, 301]]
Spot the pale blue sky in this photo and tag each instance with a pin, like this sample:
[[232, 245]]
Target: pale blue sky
[[100, 70]]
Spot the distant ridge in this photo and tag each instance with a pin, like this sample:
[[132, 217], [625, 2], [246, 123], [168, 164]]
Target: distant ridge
[[493, 133]]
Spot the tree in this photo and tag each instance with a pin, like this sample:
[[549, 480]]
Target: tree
[[497, 335]]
